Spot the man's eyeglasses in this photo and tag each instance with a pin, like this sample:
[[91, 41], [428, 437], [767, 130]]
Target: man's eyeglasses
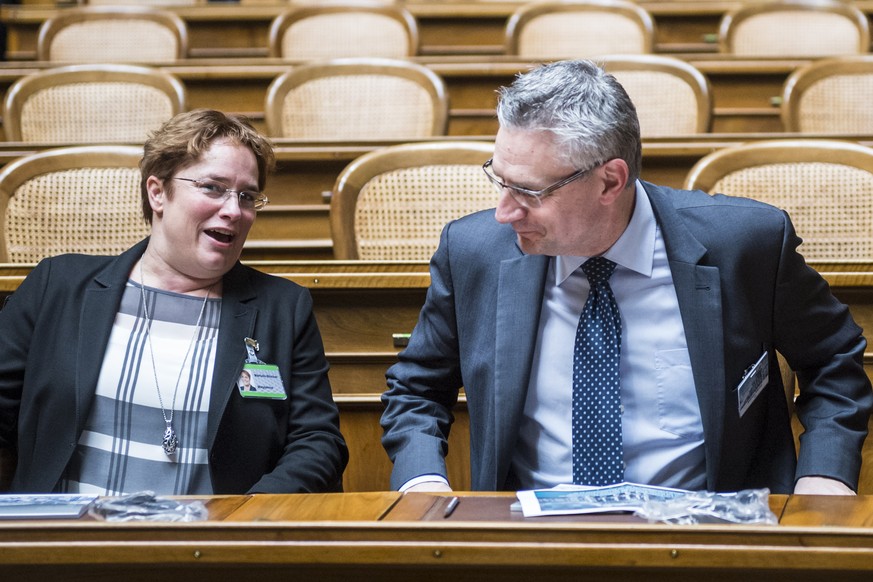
[[218, 191], [532, 198]]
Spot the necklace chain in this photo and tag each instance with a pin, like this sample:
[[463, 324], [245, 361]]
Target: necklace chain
[[170, 440]]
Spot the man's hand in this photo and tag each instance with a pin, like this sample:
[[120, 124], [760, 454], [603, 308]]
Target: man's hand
[[429, 487], [821, 486]]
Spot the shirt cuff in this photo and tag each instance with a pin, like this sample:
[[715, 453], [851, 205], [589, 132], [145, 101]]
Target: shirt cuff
[[430, 478]]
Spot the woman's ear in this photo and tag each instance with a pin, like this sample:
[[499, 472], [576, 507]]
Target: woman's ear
[[157, 194]]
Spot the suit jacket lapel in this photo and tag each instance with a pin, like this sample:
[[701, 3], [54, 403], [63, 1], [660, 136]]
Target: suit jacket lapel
[[238, 318], [99, 308], [519, 300], [698, 289]]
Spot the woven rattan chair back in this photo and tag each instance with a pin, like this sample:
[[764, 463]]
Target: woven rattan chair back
[[795, 28], [559, 29], [391, 204], [357, 99], [113, 34], [671, 97], [91, 104], [71, 200], [333, 31], [830, 96], [825, 185]]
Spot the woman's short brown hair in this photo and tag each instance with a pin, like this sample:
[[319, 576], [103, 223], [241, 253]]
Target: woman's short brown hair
[[183, 139]]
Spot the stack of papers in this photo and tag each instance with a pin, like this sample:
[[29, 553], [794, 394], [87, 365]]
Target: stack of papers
[[47, 506], [576, 499]]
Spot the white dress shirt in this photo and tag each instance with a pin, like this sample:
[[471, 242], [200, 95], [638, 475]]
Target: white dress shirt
[[662, 431]]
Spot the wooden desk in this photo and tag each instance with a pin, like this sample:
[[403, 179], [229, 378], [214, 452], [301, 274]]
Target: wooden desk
[[743, 89], [385, 537], [445, 28], [241, 29], [295, 225]]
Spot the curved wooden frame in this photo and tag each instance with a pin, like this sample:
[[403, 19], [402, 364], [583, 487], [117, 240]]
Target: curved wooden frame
[[356, 175], [527, 12], [52, 26], [803, 78], [732, 19], [285, 20], [689, 74], [711, 168], [286, 82], [16, 173], [27, 86]]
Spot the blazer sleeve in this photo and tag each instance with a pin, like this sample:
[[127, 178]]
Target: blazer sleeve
[[17, 320], [423, 385], [822, 343]]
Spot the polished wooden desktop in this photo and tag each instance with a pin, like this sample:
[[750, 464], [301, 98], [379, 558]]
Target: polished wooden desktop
[[387, 536]]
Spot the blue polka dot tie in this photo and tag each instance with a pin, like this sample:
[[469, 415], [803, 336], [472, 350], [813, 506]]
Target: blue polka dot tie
[[597, 445]]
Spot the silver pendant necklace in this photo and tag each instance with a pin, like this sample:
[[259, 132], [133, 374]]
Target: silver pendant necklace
[[170, 440]]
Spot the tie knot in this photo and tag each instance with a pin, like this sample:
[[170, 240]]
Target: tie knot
[[598, 270]]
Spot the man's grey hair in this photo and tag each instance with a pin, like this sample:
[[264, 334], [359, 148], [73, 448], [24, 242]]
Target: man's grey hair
[[587, 110]]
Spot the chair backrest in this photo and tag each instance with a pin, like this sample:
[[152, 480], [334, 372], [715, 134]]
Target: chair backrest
[[825, 185], [671, 96], [392, 203], [795, 28], [559, 29], [357, 99], [83, 199], [830, 96], [113, 34], [332, 31], [91, 104]]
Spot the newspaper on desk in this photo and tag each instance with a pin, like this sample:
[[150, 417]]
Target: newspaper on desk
[[655, 504], [576, 499]]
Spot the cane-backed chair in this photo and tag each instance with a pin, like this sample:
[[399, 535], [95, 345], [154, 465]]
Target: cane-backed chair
[[91, 104], [357, 99], [825, 185], [334, 30], [830, 96], [671, 96], [83, 199], [392, 203], [113, 34], [795, 28], [561, 29]]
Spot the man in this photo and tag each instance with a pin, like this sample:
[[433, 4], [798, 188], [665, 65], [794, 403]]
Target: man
[[708, 289]]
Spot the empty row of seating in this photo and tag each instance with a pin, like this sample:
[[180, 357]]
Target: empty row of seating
[[549, 29], [387, 99], [391, 204]]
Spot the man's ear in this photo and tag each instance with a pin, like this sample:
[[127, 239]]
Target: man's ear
[[157, 194], [615, 175]]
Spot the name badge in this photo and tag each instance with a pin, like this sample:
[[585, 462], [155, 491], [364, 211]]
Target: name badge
[[753, 382], [261, 381]]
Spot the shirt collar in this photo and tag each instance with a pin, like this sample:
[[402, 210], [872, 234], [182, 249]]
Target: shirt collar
[[634, 249]]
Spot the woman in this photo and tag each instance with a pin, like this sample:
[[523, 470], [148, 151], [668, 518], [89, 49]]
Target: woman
[[119, 374]]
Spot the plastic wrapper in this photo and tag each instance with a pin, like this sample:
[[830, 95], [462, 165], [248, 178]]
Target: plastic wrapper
[[144, 506], [747, 507]]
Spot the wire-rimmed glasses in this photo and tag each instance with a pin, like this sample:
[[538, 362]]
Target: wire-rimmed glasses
[[216, 190], [532, 198]]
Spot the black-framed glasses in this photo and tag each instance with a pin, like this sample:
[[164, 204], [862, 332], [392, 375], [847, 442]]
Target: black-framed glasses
[[215, 190], [532, 198]]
